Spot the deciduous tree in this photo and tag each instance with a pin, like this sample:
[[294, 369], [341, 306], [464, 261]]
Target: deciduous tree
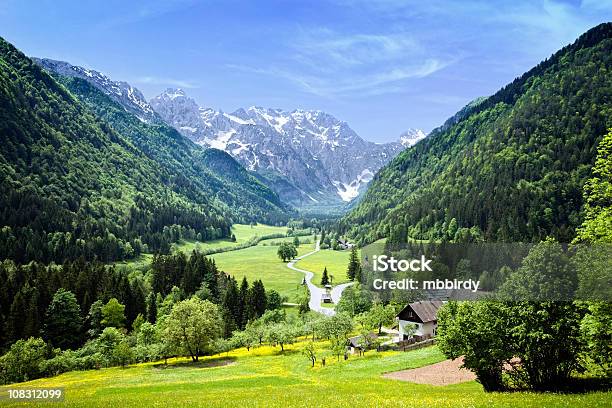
[[194, 325]]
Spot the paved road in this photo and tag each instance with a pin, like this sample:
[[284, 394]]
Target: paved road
[[315, 291]]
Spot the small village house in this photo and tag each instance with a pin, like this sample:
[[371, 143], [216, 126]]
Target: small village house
[[354, 344], [423, 314], [344, 244]]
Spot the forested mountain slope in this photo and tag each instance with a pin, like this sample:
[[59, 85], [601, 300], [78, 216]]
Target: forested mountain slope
[[597, 226], [512, 167], [198, 168], [72, 185]]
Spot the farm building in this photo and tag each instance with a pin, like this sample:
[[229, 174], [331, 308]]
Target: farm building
[[422, 314], [355, 344], [344, 244]]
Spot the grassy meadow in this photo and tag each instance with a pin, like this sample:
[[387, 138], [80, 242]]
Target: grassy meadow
[[335, 261], [262, 262], [243, 233], [256, 262], [266, 377]]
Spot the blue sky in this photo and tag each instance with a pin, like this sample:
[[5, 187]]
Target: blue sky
[[381, 65]]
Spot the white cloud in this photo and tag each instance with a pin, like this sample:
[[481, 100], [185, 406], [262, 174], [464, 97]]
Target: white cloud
[[331, 64], [326, 46], [379, 82]]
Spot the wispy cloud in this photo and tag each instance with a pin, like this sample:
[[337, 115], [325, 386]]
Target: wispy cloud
[[330, 64], [368, 84], [543, 21], [163, 81], [329, 47]]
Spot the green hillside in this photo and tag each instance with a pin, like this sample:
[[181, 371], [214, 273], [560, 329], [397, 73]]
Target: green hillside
[[266, 377], [91, 180], [597, 226], [198, 169], [510, 167]]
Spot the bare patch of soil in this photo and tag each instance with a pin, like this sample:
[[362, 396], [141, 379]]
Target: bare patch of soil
[[442, 373]]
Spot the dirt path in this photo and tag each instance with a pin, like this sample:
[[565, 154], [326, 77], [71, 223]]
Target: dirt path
[[442, 373]]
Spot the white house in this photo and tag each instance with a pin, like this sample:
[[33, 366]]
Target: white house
[[422, 314], [344, 244]]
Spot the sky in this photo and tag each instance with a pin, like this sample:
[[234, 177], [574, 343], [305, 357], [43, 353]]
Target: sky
[[383, 66]]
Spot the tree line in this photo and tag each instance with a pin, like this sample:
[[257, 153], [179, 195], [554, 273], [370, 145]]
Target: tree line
[[27, 295]]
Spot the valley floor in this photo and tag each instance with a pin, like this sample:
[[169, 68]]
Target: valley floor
[[266, 377]]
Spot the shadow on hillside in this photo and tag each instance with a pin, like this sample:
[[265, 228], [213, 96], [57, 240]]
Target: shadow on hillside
[[207, 363], [287, 352], [577, 386]]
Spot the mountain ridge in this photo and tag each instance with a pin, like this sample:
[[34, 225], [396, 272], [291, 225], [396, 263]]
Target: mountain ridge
[[506, 167], [318, 155], [83, 177]]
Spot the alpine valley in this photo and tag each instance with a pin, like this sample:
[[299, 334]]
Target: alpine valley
[[309, 158]]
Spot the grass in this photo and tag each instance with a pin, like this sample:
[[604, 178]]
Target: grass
[[335, 261], [265, 377], [262, 262], [305, 240], [328, 305], [256, 262], [142, 262], [242, 232]]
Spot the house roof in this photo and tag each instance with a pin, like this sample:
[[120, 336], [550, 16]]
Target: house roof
[[354, 341], [425, 311]]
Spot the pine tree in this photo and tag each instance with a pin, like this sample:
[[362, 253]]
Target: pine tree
[[231, 302], [151, 308], [354, 266], [243, 304], [325, 277], [258, 297]]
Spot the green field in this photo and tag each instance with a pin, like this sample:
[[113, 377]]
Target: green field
[[243, 234], [265, 377], [335, 261], [261, 262], [142, 262], [255, 262], [306, 240]]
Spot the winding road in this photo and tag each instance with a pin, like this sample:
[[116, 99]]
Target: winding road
[[315, 291]]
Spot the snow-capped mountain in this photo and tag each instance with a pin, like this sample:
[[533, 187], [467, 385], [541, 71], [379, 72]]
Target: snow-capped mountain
[[411, 136], [129, 97], [321, 157], [305, 156]]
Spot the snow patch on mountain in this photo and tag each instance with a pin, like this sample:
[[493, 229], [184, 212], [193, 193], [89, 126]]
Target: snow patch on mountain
[[127, 96], [315, 152], [411, 137]]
